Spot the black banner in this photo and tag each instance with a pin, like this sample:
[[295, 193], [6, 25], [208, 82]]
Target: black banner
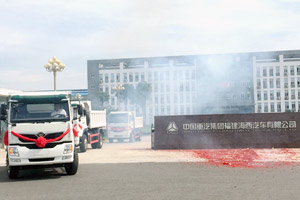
[[259, 130]]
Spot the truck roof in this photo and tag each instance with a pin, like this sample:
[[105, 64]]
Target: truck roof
[[39, 95]]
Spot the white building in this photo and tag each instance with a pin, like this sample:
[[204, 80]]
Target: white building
[[204, 84], [173, 82], [277, 83]]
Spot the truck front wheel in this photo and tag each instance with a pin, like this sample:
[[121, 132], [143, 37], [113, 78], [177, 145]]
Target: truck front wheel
[[12, 171], [71, 168]]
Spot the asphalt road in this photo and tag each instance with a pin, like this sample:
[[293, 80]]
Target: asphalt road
[[131, 174]]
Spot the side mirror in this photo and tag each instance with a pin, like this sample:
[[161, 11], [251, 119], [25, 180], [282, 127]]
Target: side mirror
[[79, 107], [3, 113], [75, 113]]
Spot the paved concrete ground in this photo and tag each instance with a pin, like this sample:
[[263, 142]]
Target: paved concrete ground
[[134, 171]]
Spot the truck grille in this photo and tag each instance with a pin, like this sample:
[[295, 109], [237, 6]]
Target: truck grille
[[34, 136]]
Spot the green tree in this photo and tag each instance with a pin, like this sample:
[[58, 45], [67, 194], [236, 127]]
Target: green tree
[[128, 94], [104, 97], [142, 93]]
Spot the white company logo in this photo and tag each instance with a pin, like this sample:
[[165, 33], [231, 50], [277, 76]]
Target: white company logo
[[172, 128]]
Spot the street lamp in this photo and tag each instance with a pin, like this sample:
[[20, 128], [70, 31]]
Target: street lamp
[[118, 88], [54, 65]]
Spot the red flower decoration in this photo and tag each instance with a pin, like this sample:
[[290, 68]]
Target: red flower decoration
[[41, 142]]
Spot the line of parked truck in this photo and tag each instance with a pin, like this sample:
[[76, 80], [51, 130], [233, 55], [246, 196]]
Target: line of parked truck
[[47, 129]]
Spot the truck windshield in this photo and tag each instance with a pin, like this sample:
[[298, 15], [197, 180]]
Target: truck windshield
[[118, 118], [39, 112]]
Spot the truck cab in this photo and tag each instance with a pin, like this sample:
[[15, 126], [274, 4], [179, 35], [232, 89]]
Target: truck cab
[[124, 125], [38, 134]]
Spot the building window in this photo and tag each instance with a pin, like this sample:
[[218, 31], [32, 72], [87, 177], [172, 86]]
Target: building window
[[278, 107], [272, 107], [278, 83], [265, 95], [112, 77], [271, 83], [162, 110], [258, 84], [264, 71], [277, 71], [271, 95], [259, 107], [266, 107], [167, 87], [131, 77], [142, 77], [187, 86], [287, 106], [125, 79], [292, 82], [162, 87], [168, 99], [271, 71], [278, 95], [265, 83], [286, 84], [258, 96], [175, 99], [118, 77], [162, 100], [298, 69], [292, 70], [298, 106], [286, 95], [137, 77], [106, 78], [285, 70], [293, 96], [293, 107]]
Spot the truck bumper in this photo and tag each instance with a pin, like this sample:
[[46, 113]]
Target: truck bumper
[[120, 135], [43, 156]]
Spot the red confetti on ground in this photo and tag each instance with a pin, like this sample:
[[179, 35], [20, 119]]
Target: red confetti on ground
[[249, 158]]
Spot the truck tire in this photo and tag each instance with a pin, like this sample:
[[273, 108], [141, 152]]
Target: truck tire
[[131, 139], [71, 168], [84, 143], [12, 171]]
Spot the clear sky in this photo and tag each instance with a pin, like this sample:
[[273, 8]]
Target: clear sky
[[33, 31]]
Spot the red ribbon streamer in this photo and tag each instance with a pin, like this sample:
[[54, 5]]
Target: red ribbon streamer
[[40, 141]]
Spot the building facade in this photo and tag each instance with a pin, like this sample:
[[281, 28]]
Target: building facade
[[202, 84], [277, 82]]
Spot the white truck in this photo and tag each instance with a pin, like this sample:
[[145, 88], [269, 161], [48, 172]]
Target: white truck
[[34, 137], [124, 125], [90, 125]]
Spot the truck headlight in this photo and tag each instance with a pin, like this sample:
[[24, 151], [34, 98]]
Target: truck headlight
[[68, 148], [13, 151]]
